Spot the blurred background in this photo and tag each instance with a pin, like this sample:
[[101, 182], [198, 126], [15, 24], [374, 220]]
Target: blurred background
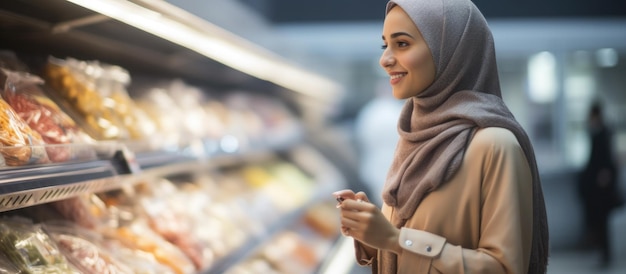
[[555, 58]]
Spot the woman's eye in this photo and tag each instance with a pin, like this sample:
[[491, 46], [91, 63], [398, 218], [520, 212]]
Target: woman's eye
[[384, 47], [402, 44]]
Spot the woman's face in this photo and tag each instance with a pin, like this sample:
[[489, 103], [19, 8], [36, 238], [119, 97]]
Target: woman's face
[[406, 56]]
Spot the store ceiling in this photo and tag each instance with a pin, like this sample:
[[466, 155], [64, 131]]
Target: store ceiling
[[289, 11]]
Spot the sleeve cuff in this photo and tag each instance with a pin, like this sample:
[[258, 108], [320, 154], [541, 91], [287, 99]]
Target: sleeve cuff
[[421, 242], [361, 256]]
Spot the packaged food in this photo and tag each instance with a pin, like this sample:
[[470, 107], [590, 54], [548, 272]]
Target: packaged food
[[23, 93], [156, 102], [19, 144], [6, 266], [83, 210], [168, 215], [113, 84], [83, 249], [138, 236], [75, 86], [140, 262], [30, 249]]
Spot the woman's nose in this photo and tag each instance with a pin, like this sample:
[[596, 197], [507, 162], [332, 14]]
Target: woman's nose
[[386, 59]]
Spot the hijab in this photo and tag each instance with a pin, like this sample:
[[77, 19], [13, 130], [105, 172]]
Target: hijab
[[436, 126]]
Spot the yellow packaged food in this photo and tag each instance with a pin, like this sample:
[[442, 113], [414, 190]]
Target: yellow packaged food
[[75, 84]]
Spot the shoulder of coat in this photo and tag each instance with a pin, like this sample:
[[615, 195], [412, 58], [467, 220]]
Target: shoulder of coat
[[494, 137]]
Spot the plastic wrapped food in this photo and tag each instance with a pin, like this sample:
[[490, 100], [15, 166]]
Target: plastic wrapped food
[[81, 210], [139, 236], [30, 249], [162, 109], [75, 82], [168, 217], [6, 266], [140, 262], [23, 93], [19, 144], [83, 250], [178, 111], [112, 85]]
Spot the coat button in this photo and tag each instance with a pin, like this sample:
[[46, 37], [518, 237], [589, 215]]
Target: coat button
[[408, 242], [428, 248]]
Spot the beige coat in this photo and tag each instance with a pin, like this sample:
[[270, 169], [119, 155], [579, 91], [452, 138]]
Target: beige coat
[[478, 222]]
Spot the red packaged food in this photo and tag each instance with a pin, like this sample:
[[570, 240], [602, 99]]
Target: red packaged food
[[23, 93], [19, 144]]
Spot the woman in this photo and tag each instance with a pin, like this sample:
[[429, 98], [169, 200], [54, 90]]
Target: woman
[[463, 193]]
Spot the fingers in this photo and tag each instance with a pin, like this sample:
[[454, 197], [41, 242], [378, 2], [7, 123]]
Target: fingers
[[350, 223], [353, 206], [357, 205], [344, 194], [351, 228], [361, 196]]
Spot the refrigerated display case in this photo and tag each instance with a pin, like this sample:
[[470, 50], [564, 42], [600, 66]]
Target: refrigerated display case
[[171, 43]]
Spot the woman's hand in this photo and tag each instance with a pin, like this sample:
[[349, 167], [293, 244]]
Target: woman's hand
[[364, 222]]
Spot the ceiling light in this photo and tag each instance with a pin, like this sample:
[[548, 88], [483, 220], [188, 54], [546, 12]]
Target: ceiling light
[[217, 44]]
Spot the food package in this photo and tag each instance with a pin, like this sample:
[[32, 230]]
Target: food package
[[140, 262], [124, 225], [23, 93], [190, 99], [167, 119], [6, 266], [83, 249], [30, 249], [19, 144], [137, 235], [169, 216], [113, 84], [170, 119], [85, 210], [75, 86], [264, 121]]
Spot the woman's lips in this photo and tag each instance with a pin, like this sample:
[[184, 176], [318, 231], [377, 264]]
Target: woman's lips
[[395, 78]]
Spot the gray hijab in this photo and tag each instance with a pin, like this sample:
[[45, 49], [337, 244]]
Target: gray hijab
[[436, 126]]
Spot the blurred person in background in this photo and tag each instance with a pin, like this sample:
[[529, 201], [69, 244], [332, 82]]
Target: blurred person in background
[[463, 194], [597, 185]]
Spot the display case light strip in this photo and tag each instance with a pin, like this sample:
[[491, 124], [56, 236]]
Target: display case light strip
[[259, 65]]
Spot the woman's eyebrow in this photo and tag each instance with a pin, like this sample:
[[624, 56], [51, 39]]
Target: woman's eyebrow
[[398, 34]]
